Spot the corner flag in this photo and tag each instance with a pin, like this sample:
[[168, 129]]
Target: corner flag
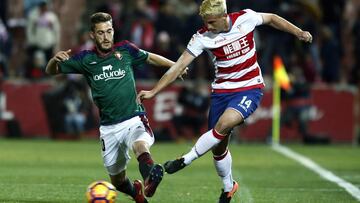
[[280, 74], [281, 80]]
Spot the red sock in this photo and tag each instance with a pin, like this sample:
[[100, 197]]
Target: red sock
[[145, 164]]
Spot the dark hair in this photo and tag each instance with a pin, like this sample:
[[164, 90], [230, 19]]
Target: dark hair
[[99, 17]]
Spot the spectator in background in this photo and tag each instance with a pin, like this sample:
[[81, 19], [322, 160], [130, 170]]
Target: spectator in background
[[186, 12], [5, 49], [194, 102], [167, 21], [42, 34], [142, 33], [355, 69], [297, 106], [164, 47], [116, 9], [77, 104], [330, 55], [84, 42], [332, 15], [185, 8], [4, 113], [12, 125]]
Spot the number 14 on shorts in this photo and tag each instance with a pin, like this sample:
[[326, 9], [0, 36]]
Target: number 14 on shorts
[[245, 103]]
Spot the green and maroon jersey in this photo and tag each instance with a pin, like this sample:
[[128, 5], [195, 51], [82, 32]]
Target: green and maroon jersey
[[111, 79]]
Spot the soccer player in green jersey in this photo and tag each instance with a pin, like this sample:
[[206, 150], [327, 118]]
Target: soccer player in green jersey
[[108, 69]]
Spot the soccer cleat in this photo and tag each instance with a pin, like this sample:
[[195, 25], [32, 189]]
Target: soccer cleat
[[225, 197], [174, 165], [153, 180], [139, 197]]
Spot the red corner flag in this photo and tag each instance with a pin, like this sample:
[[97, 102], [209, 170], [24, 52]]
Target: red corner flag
[[280, 74]]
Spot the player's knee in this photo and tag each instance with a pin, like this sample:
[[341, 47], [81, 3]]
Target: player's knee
[[224, 128], [140, 147]]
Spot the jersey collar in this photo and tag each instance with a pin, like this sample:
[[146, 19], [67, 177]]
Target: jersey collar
[[98, 53]]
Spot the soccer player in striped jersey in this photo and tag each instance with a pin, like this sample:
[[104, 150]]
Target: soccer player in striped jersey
[[108, 69], [237, 88]]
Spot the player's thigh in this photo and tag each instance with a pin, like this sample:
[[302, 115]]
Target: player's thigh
[[246, 102], [141, 136], [219, 103], [239, 107], [229, 119], [115, 155]]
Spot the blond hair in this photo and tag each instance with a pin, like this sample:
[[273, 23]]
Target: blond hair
[[213, 8]]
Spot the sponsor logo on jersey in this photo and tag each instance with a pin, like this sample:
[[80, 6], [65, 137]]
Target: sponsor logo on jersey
[[109, 74], [237, 48], [108, 67]]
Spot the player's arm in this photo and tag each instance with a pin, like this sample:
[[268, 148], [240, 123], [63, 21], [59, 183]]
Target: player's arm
[[170, 76], [157, 60], [52, 66], [284, 25]]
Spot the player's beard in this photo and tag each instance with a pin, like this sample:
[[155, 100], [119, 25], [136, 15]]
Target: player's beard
[[104, 48]]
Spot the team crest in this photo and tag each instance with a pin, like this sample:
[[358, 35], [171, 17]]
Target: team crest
[[118, 55]]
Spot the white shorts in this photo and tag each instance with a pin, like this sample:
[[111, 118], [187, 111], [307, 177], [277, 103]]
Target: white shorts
[[117, 139]]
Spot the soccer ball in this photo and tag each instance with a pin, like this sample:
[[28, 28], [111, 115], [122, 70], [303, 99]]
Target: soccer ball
[[101, 192]]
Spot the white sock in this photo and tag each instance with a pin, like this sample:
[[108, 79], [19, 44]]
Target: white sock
[[223, 168], [206, 141]]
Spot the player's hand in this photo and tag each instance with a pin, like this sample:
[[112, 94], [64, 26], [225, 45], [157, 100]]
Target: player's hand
[[62, 55], [143, 94], [305, 36], [183, 73]]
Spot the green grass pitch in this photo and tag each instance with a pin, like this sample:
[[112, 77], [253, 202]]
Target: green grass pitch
[[39, 171]]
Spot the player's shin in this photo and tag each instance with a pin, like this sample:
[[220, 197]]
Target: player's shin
[[223, 165], [206, 142], [145, 164], [126, 187]]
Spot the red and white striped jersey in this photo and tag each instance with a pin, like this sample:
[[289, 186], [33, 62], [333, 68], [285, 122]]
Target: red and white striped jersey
[[233, 53]]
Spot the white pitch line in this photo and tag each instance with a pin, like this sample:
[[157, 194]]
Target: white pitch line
[[328, 175], [244, 191]]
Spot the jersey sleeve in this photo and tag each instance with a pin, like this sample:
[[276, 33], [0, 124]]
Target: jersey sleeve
[[72, 65], [139, 56], [254, 17], [195, 47]]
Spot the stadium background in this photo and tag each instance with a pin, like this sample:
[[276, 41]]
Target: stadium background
[[329, 66]]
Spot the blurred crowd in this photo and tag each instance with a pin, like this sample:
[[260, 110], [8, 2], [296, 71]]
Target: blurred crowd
[[32, 30]]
